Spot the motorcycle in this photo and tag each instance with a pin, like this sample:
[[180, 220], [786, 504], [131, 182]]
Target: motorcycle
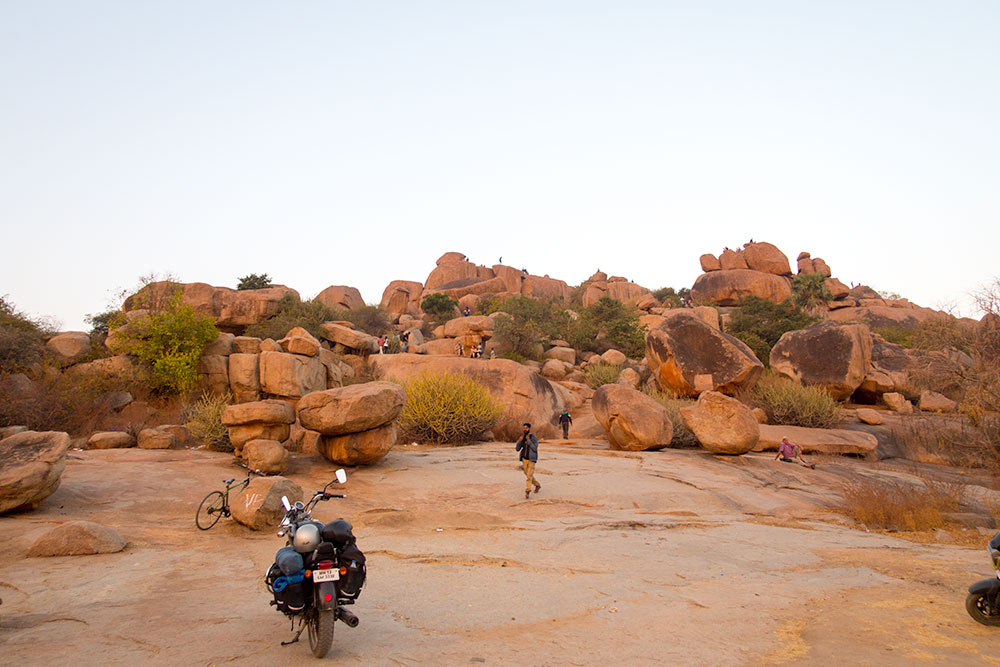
[[318, 573], [983, 601]]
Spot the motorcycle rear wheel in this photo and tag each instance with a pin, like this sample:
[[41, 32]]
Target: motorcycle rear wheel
[[321, 632], [981, 611]]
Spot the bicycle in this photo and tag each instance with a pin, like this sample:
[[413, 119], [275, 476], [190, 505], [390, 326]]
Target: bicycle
[[216, 504]]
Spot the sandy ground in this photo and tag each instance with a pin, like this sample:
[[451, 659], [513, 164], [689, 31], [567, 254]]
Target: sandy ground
[[672, 557]]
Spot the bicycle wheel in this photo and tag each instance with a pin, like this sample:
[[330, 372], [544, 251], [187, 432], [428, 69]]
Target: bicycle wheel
[[210, 510]]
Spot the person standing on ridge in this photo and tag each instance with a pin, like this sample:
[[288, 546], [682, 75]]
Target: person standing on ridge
[[527, 446], [565, 420]]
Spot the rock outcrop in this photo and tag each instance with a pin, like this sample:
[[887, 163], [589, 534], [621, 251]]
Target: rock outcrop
[[31, 465], [766, 258], [351, 409], [836, 357], [402, 297], [722, 424], [69, 346], [232, 310], [687, 357], [291, 375], [632, 420]]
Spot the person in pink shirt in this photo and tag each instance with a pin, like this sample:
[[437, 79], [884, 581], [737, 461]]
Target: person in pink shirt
[[789, 452]]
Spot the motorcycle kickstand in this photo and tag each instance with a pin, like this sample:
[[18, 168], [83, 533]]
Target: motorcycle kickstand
[[298, 634]]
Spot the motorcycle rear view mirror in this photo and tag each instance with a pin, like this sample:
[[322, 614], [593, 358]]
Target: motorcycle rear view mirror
[[285, 503], [341, 475]]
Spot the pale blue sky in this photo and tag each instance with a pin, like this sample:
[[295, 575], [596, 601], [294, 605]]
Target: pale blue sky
[[355, 142]]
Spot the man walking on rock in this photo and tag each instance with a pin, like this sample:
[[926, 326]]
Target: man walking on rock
[[565, 420], [527, 445]]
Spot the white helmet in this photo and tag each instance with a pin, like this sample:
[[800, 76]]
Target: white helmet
[[307, 537]]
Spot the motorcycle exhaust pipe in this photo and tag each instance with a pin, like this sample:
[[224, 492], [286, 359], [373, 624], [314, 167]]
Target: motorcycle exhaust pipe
[[347, 617]]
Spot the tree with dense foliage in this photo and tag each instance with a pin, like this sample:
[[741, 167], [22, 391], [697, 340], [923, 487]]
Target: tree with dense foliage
[[440, 306], [22, 339], [254, 281], [809, 291], [760, 323]]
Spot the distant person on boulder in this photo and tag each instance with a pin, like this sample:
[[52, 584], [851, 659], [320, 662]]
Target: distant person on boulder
[[459, 350], [789, 452], [381, 345], [405, 340], [565, 420], [527, 446], [466, 311]]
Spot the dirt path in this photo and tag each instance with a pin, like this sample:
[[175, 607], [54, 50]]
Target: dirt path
[[622, 558]]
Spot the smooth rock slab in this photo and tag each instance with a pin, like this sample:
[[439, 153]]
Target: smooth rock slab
[[77, 538], [869, 416], [817, 440]]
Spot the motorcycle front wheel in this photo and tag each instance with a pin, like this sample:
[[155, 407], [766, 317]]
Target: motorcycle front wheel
[[321, 632], [979, 608]]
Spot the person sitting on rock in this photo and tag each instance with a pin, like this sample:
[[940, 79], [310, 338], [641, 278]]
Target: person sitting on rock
[[789, 452]]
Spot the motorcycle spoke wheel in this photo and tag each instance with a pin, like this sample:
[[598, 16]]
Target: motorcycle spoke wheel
[[320, 629]]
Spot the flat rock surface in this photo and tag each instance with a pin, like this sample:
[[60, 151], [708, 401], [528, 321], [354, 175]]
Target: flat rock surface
[[638, 558]]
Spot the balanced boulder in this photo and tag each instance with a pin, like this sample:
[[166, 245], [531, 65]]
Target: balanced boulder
[[259, 420], [722, 424], [362, 448], [730, 287], [688, 356], [766, 258], [351, 409], [77, 538], [834, 356], [31, 464], [341, 296], [632, 420]]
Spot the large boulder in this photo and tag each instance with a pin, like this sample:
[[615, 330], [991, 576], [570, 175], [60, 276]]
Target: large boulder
[[259, 506], [528, 396], [709, 262], [111, 440], [341, 296], [232, 309], [244, 377], [632, 420], [730, 287], [291, 375], [731, 260], [350, 409], [817, 440], [77, 538], [722, 424], [834, 356], [767, 258], [300, 341], [566, 354], [451, 268], [402, 296], [69, 346], [361, 448], [259, 420], [265, 456], [155, 438], [473, 325], [350, 338], [688, 356], [31, 464], [221, 346], [213, 373], [614, 357], [932, 401], [876, 316]]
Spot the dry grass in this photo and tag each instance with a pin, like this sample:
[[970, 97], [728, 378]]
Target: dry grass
[[788, 402], [682, 437], [898, 506], [957, 441], [599, 374], [204, 421]]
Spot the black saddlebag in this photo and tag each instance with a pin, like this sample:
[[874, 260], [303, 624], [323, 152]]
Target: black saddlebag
[[289, 590], [351, 560]]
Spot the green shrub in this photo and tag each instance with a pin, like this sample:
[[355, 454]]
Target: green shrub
[[440, 306], [809, 291], [789, 403], [370, 319], [204, 421], [22, 340], [683, 437], [517, 339], [760, 323], [446, 408], [895, 334], [102, 323], [254, 281], [293, 312], [169, 341], [668, 296], [600, 373], [606, 324], [938, 333]]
